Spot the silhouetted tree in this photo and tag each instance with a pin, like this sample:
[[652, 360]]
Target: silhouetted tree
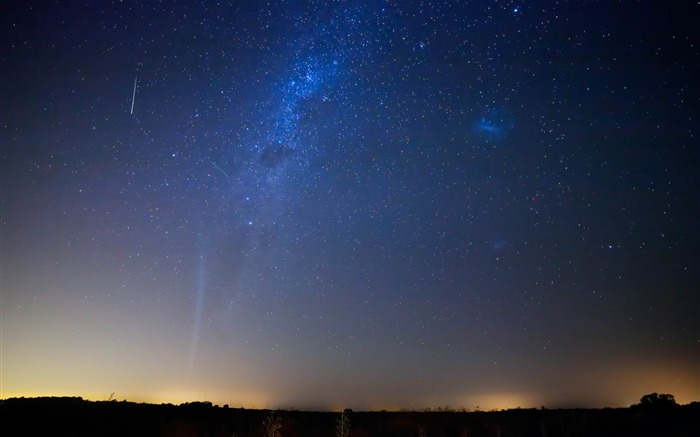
[[655, 400]]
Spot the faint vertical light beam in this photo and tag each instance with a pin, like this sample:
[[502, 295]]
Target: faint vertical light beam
[[199, 307]]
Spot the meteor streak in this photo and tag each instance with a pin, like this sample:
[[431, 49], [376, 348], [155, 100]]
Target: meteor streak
[[133, 96], [219, 168]]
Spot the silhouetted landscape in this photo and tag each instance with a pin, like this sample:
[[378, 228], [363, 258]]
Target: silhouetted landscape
[[655, 415]]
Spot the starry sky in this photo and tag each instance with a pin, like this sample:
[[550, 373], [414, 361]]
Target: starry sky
[[362, 204]]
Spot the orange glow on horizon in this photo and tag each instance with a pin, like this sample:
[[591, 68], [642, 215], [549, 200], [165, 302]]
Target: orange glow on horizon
[[621, 386]]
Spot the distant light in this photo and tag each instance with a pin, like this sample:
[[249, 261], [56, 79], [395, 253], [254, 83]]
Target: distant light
[[516, 9]]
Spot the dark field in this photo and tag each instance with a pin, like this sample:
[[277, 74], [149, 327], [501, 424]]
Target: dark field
[[77, 417]]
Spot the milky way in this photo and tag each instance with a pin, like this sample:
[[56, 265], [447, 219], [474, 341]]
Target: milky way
[[350, 204]]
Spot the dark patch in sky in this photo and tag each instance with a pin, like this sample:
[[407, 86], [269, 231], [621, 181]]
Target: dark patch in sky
[[273, 155]]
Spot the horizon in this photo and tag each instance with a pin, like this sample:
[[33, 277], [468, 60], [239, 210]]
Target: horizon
[[427, 409], [445, 407], [366, 205]]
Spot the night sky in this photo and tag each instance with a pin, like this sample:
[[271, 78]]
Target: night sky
[[331, 204]]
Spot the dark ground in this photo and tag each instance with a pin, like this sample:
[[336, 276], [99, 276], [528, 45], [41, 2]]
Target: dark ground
[[77, 417]]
